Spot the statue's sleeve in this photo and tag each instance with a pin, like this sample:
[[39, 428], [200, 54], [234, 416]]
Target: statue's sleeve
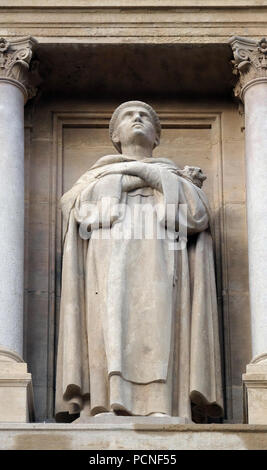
[[69, 199], [72, 379], [205, 362], [196, 205]]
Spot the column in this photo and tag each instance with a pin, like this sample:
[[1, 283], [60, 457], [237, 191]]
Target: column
[[15, 90], [250, 65]]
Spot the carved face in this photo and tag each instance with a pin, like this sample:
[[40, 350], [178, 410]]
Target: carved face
[[135, 125]]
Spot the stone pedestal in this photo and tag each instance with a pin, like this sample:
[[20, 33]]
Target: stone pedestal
[[16, 397], [255, 391]]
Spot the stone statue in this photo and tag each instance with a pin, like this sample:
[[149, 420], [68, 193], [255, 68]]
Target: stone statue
[[138, 330]]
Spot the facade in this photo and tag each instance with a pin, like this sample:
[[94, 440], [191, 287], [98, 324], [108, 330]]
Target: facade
[[66, 65]]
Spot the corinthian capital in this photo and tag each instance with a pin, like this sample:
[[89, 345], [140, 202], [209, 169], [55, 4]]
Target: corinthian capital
[[250, 62], [15, 59]]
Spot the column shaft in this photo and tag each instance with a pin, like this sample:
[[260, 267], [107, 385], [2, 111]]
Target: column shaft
[[255, 100], [12, 215]]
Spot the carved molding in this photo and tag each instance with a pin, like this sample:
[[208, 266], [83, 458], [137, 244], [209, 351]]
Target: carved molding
[[9, 356], [250, 62], [15, 60], [259, 358]]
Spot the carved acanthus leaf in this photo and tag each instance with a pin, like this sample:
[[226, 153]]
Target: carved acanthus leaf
[[15, 59], [250, 61]]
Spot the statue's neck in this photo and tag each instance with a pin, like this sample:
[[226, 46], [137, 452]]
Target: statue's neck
[[139, 152]]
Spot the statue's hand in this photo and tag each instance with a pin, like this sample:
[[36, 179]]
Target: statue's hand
[[144, 174], [130, 183], [193, 174]]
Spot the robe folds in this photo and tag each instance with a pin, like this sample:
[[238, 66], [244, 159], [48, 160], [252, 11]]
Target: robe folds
[[138, 329]]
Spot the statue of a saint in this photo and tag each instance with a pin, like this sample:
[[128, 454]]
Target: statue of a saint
[[138, 330]]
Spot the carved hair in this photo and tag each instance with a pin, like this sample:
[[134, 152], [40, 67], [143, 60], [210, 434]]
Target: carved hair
[[116, 113]]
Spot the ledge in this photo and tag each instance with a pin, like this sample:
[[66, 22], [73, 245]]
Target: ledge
[[132, 435], [131, 3]]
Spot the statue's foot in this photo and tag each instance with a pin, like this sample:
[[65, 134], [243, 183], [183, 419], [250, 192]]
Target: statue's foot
[[162, 415]]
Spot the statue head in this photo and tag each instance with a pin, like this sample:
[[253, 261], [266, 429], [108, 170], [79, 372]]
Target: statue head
[[134, 122]]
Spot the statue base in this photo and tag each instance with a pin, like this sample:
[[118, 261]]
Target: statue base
[[110, 418]]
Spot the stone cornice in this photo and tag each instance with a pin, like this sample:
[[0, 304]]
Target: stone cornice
[[15, 59], [250, 62], [133, 21]]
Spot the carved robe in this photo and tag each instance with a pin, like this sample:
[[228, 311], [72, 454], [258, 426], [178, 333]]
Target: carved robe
[[138, 326]]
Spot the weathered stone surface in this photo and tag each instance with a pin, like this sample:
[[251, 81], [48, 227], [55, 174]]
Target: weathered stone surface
[[179, 22], [132, 436]]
